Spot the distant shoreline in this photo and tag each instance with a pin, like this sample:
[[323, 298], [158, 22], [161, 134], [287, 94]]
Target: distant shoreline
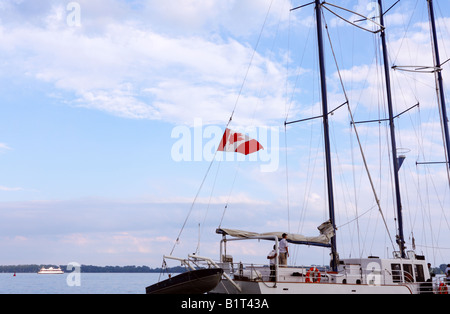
[[90, 269], [32, 269]]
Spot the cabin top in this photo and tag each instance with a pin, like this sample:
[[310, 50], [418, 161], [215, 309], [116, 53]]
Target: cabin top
[[395, 270]]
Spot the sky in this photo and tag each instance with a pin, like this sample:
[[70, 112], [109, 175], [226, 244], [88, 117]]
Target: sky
[[111, 111]]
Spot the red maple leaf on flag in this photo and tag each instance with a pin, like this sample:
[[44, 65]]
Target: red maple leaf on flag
[[234, 142], [236, 137]]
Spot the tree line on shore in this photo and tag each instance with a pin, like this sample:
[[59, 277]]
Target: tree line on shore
[[30, 269]]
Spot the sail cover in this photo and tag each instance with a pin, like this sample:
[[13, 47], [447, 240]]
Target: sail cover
[[324, 239]]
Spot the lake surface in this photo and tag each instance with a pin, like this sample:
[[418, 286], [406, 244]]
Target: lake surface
[[88, 283]]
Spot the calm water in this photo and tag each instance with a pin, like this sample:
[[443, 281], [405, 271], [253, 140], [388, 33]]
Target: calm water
[[90, 284]]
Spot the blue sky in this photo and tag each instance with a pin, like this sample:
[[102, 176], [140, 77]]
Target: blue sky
[[87, 114]]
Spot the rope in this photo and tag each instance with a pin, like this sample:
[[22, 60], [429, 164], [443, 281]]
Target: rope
[[193, 204], [228, 124], [201, 226], [251, 62], [229, 196], [287, 180], [441, 114]]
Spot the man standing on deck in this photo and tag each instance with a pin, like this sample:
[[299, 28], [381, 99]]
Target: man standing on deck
[[284, 250], [272, 257]]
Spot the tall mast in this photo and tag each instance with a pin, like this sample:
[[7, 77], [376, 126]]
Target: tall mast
[[439, 78], [323, 82], [400, 236]]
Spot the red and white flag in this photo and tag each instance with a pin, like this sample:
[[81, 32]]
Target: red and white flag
[[233, 142]]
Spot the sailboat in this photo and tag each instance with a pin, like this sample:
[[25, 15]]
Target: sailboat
[[405, 273]]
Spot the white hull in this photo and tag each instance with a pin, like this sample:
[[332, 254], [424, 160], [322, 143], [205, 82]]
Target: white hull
[[256, 288], [371, 275], [355, 276]]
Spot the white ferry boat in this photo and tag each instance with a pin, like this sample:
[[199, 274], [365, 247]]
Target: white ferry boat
[[51, 271]]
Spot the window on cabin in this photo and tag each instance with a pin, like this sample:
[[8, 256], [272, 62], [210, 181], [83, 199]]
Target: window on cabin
[[408, 272], [396, 272], [420, 275]]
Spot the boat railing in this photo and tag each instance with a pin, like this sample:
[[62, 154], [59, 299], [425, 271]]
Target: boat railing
[[193, 262], [262, 272], [211, 263], [305, 274], [436, 286], [441, 285], [184, 262]]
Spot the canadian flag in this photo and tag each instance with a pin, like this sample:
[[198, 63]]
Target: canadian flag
[[234, 142]]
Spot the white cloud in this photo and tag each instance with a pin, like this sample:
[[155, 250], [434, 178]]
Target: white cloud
[[4, 147], [235, 17], [7, 189], [94, 231], [175, 61], [129, 69]]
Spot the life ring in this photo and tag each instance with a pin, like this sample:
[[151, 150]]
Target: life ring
[[443, 289], [313, 276]]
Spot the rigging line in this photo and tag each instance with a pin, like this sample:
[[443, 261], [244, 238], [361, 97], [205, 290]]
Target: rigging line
[[413, 92], [311, 169], [302, 6], [345, 93], [364, 17], [287, 180], [441, 114], [442, 33], [360, 144], [262, 89], [251, 61], [343, 88], [299, 71], [287, 105], [312, 163], [354, 189], [409, 200], [432, 247], [384, 13], [392, 6], [427, 204], [441, 220], [193, 204], [202, 226], [335, 60], [421, 151], [443, 134], [254, 113], [381, 99], [259, 97], [229, 196], [345, 189], [406, 32], [383, 96], [430, 221], [439, 199], [417, 69], [414, 79]]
